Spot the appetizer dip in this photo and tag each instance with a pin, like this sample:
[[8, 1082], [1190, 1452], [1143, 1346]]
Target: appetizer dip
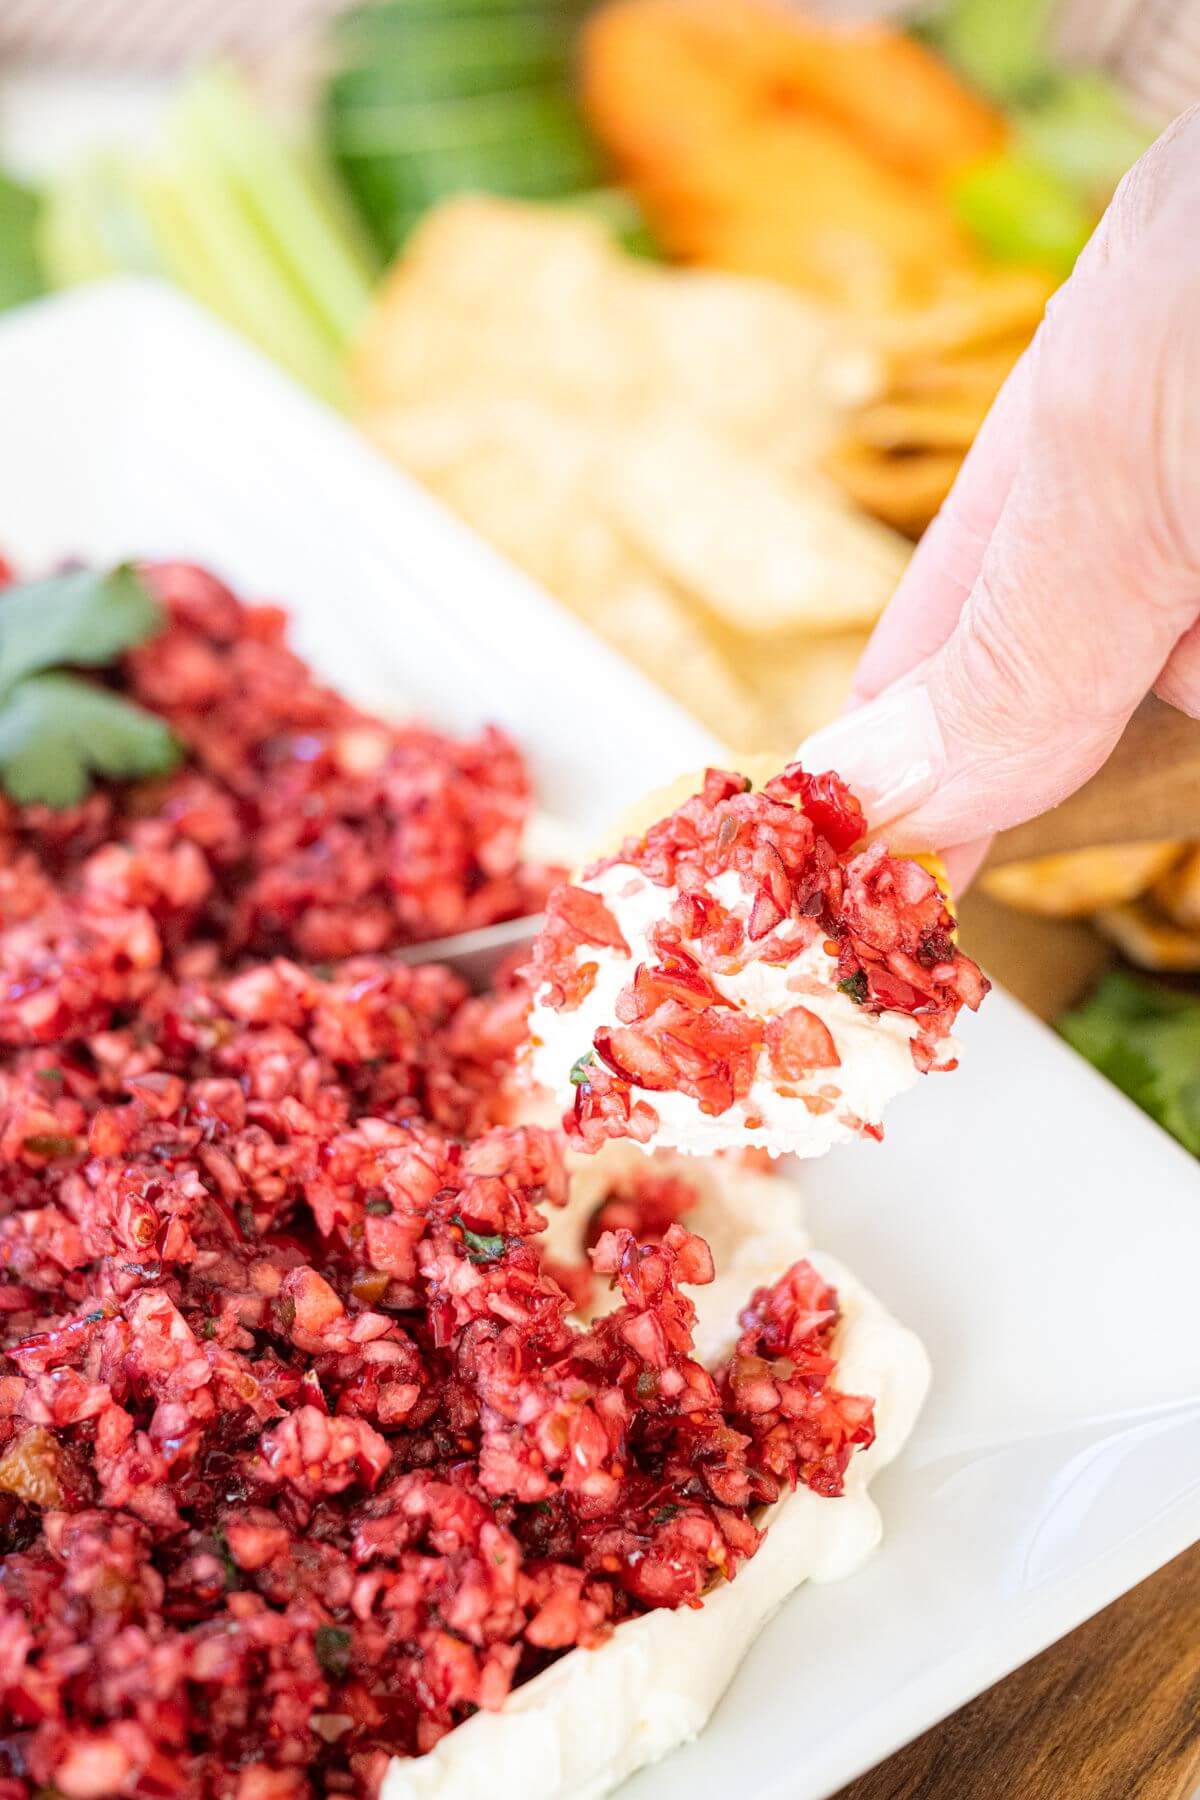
[[325, 1466], [741, 975]]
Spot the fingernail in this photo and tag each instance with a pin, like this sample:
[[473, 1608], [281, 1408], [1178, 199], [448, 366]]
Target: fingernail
[[890, 752]]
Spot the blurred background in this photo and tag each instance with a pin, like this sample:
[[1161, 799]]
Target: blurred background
[[691, 307]]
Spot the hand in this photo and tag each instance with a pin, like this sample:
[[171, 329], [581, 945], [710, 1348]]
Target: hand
[[1060, 582]]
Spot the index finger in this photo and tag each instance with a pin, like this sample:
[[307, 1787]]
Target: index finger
[[929, 597]]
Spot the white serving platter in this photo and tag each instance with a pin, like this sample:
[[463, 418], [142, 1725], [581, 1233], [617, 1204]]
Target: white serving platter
[[1040, 1234]]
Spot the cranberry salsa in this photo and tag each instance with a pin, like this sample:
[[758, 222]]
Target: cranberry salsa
[[304, 1455], [748, 891]]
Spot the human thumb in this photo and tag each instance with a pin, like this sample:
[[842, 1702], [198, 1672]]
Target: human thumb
[[1089, 581]]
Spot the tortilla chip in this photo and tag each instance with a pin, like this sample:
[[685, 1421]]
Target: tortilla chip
[[1148, 939], [1177, 892], [633, 436], [904, 490], [945, 423], [1081, 881], [763, 554], [990, 304], [800, 682]]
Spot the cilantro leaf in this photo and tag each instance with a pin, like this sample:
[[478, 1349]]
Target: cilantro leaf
[[580, 1076], [481, 1247], [56, 731], [1146, 1039], [84, 617]]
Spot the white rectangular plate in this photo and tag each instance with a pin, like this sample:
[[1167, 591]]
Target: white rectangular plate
[[1040, 1234]]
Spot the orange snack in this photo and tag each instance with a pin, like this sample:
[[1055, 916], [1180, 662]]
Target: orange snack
[[760, 141]]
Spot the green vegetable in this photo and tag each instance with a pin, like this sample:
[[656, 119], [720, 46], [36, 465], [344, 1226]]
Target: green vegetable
[[580, 1076], [481, 1247], [854, 986], [1083, 131], [250, 223], [1003, 47], [1074, 137], [290, 209], [93, 224], [21, 274], [432, 97], [385, 59], [56, 730], [1020, 210], [1146, 1039], [332, 1645]]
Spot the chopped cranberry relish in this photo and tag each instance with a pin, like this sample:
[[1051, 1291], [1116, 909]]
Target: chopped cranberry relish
[[302, 1459], [797, 883]]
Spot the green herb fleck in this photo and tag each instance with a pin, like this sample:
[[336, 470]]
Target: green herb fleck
[[647, 1384], [663, 1514], [855, 986], [332, 1645], [243, 1212], [579, 1069], [209, 1329], [233, 1575], [57, 731], [50, 1143], [379, 1209], [51, 1078], [482, 1247]]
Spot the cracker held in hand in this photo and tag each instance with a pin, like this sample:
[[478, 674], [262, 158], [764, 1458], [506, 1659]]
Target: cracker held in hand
[[746, 973]]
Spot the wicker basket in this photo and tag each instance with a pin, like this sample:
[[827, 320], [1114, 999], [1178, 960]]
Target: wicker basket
[[151, 34]]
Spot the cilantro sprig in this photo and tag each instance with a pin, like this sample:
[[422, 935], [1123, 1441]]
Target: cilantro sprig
[[1145, 1038], [56, 730]]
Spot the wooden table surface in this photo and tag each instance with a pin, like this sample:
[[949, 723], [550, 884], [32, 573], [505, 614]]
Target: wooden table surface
[[1113, 1711], [1110, 1713]]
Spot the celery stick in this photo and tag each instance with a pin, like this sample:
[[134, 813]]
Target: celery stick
[[211, 247], [217, 126], [71, 247], [105, 193]]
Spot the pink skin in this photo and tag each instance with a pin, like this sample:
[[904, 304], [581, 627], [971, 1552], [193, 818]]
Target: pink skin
[[1060, 583]]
